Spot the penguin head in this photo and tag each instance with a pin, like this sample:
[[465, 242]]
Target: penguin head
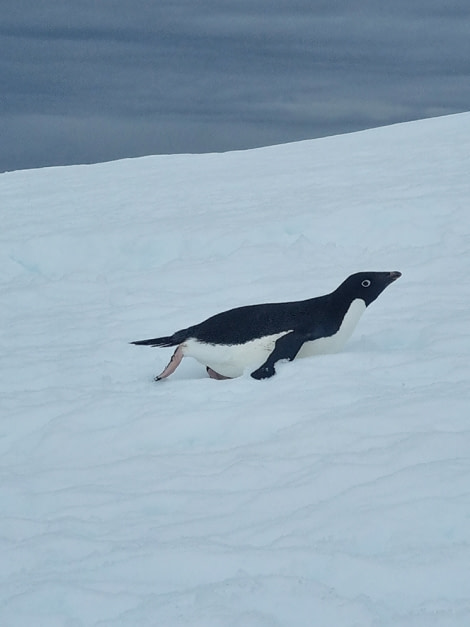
[[366, 285]]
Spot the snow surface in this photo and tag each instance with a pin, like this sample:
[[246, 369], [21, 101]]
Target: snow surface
[[335, 494]]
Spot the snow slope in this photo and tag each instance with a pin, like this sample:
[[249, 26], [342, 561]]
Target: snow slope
[[335, 494]]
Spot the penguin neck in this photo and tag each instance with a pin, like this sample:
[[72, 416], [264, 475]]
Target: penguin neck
[[342, 302], [350, 315], [344, 318]]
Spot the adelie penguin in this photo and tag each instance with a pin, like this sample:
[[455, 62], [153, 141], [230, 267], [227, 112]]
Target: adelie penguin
[[258, 336]]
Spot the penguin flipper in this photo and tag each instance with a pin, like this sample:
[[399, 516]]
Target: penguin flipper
[[286, 347]]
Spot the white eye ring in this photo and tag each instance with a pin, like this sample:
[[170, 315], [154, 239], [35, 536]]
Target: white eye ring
[[365, 283]]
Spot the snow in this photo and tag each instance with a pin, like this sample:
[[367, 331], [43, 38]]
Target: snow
[[335, 494]]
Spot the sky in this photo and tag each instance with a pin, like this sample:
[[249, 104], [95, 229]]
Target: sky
[[96, 81]]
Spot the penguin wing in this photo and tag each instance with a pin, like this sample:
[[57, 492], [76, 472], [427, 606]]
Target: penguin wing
[[286, 347]]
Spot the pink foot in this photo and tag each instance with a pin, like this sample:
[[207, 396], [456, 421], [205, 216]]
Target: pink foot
[[173, 365], [215, 375]]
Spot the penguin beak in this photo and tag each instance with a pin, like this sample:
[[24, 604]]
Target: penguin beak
[[394, 276]]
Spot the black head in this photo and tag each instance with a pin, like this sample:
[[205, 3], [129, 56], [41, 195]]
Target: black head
[[366, 285]]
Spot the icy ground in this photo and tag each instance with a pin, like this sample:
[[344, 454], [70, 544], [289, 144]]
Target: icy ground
[[335, 494]]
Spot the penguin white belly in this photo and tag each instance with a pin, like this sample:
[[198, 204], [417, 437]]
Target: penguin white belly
[[231, 361], [334, 343]]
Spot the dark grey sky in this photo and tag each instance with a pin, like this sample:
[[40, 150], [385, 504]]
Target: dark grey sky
[[93, 80]]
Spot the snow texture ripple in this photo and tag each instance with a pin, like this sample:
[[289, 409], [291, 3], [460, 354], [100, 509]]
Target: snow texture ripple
[[336, 493]]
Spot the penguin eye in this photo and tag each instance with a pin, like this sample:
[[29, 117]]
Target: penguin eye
[[365, 283]]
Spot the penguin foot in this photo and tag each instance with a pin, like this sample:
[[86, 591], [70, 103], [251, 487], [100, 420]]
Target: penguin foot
[[173, 364], [215, 375]]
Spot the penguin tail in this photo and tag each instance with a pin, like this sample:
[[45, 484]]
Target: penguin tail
[[169, 340]]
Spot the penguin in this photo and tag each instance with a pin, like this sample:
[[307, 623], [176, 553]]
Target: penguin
[[258, 336]]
